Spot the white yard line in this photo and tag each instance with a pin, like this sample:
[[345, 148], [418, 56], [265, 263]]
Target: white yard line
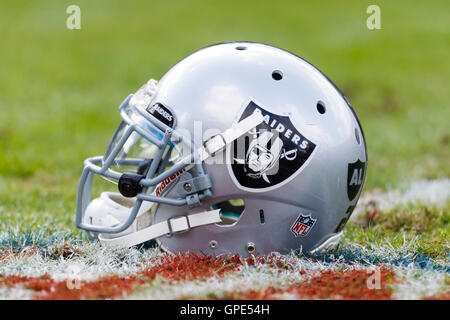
[[426, 192], [96, 261], [418, 284], [15, 293]]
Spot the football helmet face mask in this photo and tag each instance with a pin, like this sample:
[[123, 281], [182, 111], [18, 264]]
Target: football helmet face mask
[[240, 148]]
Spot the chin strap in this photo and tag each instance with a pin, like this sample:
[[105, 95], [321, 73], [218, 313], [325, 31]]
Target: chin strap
[[221, 140], [174, 225]]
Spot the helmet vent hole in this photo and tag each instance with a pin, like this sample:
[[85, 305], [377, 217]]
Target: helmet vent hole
[[241, 48], [357, 136], [261, 216], [277, 75], [320, 107]]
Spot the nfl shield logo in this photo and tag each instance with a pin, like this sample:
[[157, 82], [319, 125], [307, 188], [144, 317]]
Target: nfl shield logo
[[303, 225]]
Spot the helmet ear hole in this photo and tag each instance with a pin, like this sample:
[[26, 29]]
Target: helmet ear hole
[[230, 211]]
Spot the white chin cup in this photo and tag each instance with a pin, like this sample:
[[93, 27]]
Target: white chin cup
[[112, 209]]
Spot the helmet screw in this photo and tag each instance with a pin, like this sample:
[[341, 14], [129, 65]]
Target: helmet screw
[[251, 247], [187, 186], [213, 244]]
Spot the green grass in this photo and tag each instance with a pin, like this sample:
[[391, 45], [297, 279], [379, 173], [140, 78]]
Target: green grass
[[428, 227], [59, 89]]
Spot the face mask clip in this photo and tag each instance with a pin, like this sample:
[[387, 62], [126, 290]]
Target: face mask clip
[[129, 184]]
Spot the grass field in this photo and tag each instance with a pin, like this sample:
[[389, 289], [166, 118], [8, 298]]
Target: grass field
[[60, 89]]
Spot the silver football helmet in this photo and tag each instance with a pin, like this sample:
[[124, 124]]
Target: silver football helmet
[[240, 148]]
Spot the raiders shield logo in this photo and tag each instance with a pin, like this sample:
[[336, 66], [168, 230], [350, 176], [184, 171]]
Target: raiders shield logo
[[270, 153], [355, 178]]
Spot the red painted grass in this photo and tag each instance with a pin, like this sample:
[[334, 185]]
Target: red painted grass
[[347, 285], [270, 260], [192, 266], [170, 267], [327, 285], [46, 288], [43, 283], [5, 255]]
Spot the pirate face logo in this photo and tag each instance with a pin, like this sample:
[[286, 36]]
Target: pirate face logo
[[270, 153], [259, 158], [262, 156]]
